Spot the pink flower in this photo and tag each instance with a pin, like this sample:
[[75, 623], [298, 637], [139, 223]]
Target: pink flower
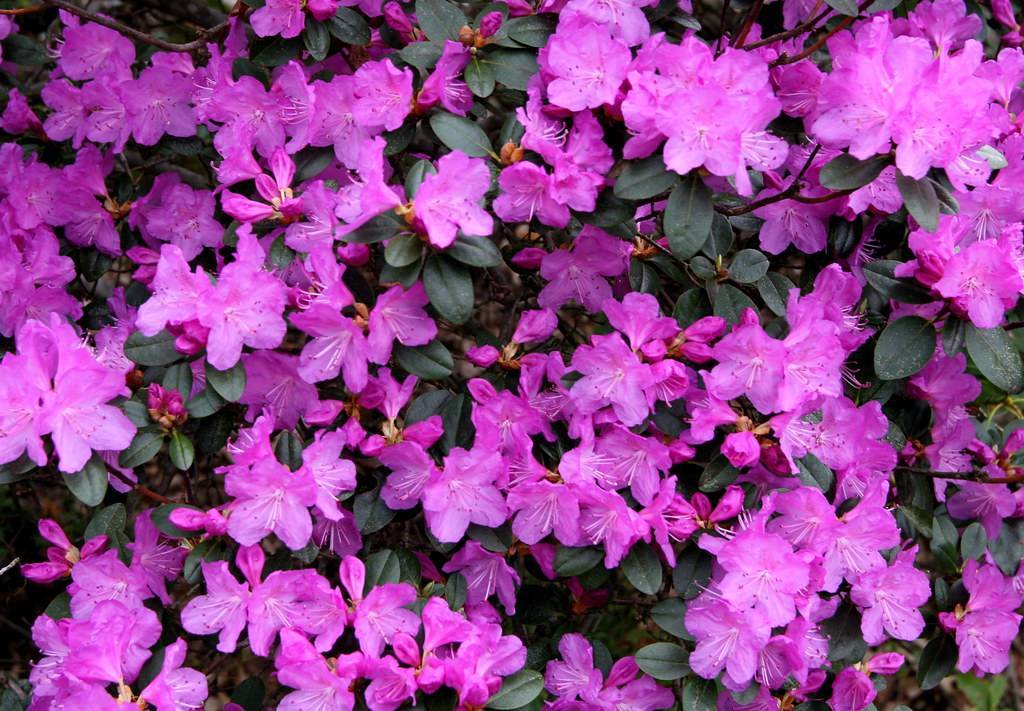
[[527, 191], [270, 499], [982, 283], [176, 687], [449, 200], [486, 574], [279, 17], [612, 376], [587, 63], [891, 597], [463, 493]]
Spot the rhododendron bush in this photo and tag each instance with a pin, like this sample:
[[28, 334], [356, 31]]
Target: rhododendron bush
[[595, 354]]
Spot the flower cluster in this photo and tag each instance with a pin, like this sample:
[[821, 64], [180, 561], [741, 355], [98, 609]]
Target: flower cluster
[[415, 343]]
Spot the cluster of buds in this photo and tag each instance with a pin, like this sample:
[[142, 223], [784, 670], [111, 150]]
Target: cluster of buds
[[482, 35], [166, 407]]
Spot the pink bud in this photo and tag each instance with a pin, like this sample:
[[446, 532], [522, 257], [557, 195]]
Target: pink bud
[[482, 356], [741, 449], [885, 663], [535, 326], [51, 531], [406, 649], [730, 505], [490, 24], [44, 573], [529, 258]]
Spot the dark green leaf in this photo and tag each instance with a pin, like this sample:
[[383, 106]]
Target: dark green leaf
[[668, 615], [814, 473], [349, 26], [954, 335], [440, 20], [205, 403], [729, 303], [688, 215], [450, 288], [691, 306], [181, 450], [643, 278], [881, 276], [475, 251], [288, 450], [317, 40], [517, 690], [774, 289], [844, 172], [513, 67], [693, 568], [719, 242], [644, 179], [699, 695], [209, 550], [748, 266], [844, 7], [455, 591], [178, 377], [576, 561], [531, 31], [996, 356], [278, 51], [403, 250], [380, 228], [415, 176], [58, 609], [663, 661], [642, 569], [151, 350], [90, 484], [422, 55], [845, 640], [974, 542], [717, 475], [382, 567], [937, 661], [229, 384], [144, 447], [430, 362], [108, 521], [461, 134], [371, 513], [479, 76], [921, 201], [905, 346]]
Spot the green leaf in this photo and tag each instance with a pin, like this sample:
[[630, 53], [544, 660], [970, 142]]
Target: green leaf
[[89, 485], [209, 550], [450, 288], [517, 690], [108, 521], [479, 77], [144, 447], [440, 20], [162, 520], [317, 39], [844, 236], [58, 609], [936, 662], [730, 303], [748, 266], [430, 362], [691, 306], [178, 377], [455, 591], [812, 472], [513, 67], [689, 213], [415, 176], [349, 26], [921, 201], [881, 275], [205, 403], [844, 7], [954, 335], [644, 179], [531, 31], [663, 661], [570, 562], [668, 615], [151, 350], [181, 450], [844, 172], [974, 542], [643, 277], [461, 134], [642, 569], [996, 356], [699, 695], [717, 475], [774, 289], [905, 346], [229, 384], [403, 250], [719, 242], [288, 450], [475, 251], [422, 55], [278, 51], [371, 513], [382, 567], [380, 228], [845, 640], [693, 568]]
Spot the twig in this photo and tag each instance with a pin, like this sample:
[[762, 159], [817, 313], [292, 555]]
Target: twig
[[791, 192], [800, 29], [141, 490], [10, 565], [961, 476], [748, 22], [786, 59], [123, 29]]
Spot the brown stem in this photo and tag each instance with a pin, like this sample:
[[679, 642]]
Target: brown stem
[[800, 29], [792, 192], [123, 29], [141, 490], [961, 476], [748, 22], [786, 59]]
